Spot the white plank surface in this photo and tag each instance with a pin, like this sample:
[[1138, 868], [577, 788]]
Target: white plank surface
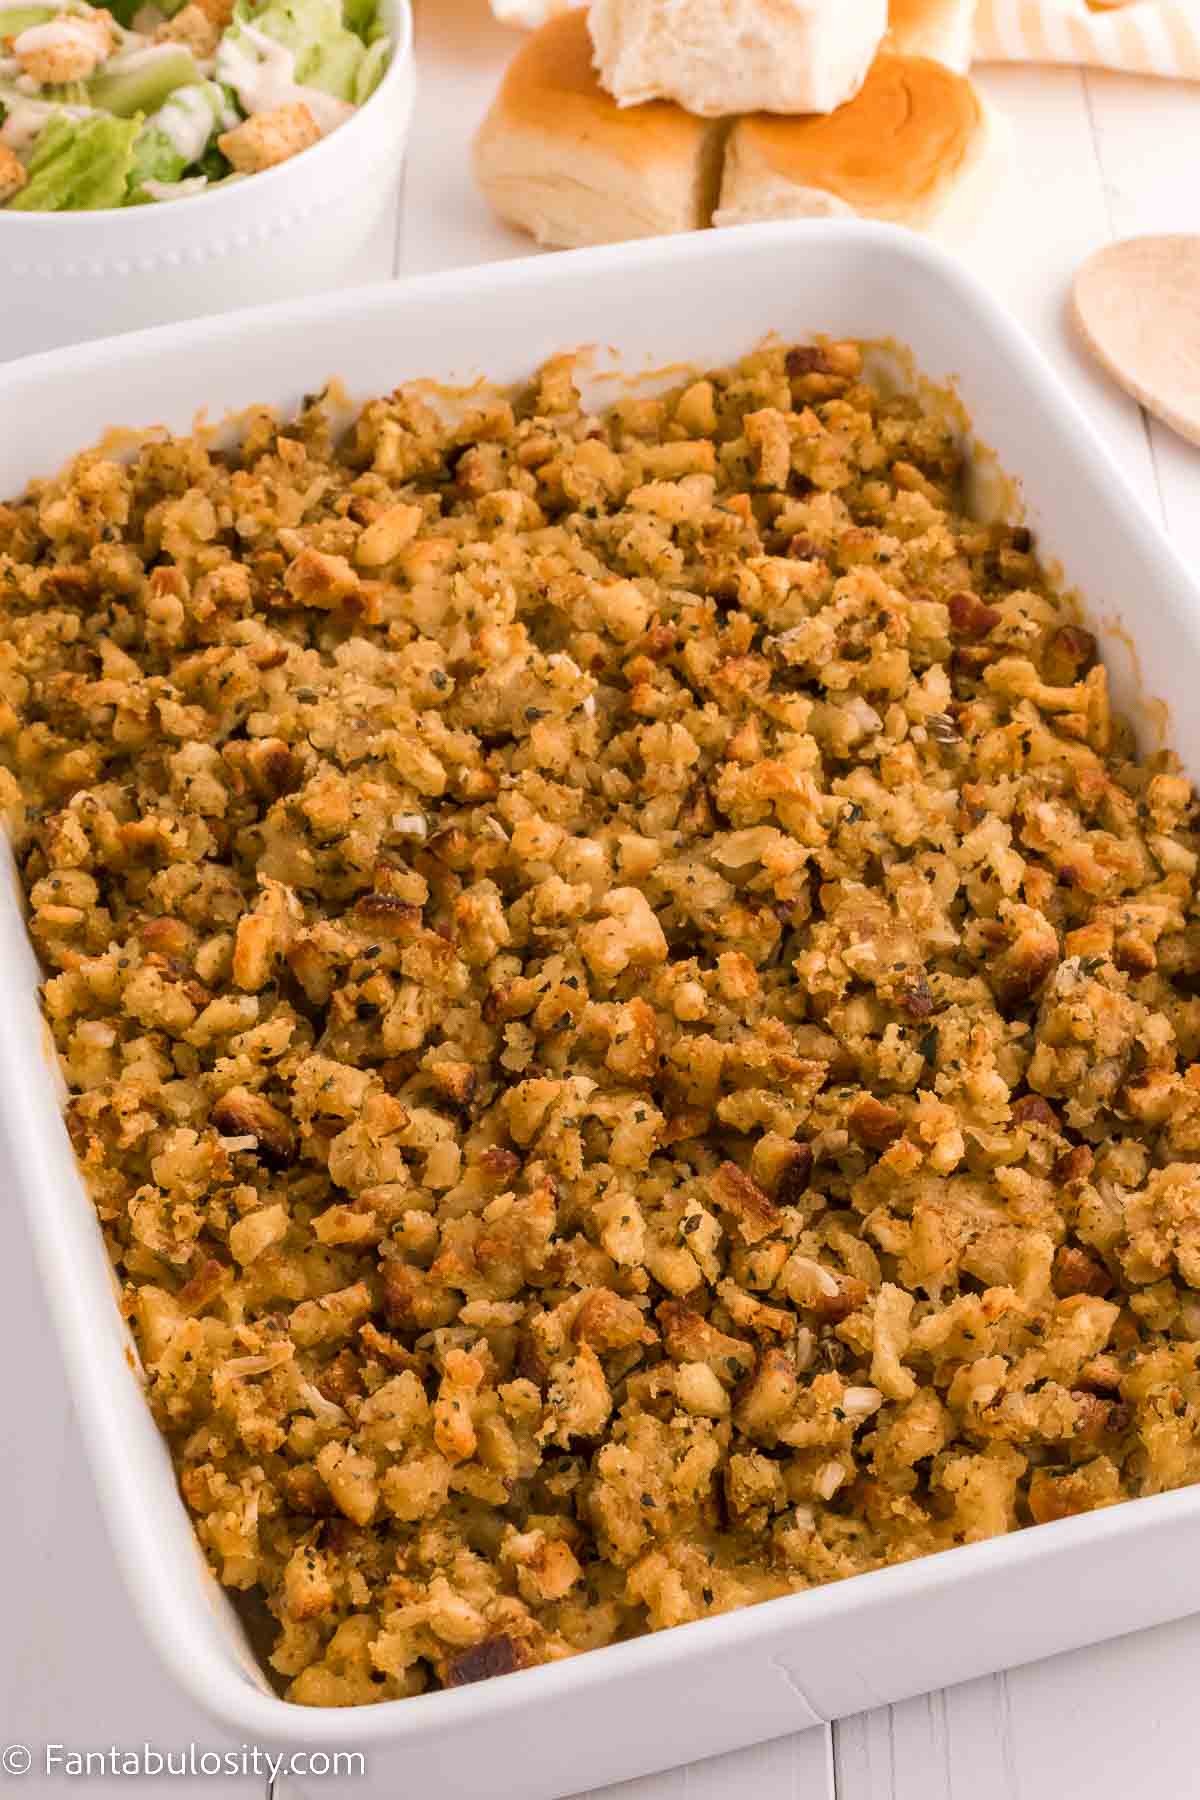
[[1113, 1723], [1147, 137], [1095, 156], [796, 1768]]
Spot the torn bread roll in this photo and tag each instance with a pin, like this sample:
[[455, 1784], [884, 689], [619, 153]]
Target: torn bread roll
[[558, 157], [918, 146], [717, 57], [529, 14], [941, 29]]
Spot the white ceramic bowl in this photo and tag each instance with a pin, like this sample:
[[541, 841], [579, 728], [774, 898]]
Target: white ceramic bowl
[[322, 220], [712, 1686]]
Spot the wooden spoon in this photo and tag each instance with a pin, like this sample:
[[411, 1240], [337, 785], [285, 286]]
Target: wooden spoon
[[1137, 307]]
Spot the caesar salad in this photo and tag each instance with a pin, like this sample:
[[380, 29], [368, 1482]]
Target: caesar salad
[[142, 103]]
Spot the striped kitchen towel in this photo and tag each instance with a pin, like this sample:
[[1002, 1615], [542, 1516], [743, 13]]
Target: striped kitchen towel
[[1143, 37]]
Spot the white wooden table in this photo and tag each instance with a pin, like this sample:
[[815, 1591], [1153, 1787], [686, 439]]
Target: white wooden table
[[1098, 156]]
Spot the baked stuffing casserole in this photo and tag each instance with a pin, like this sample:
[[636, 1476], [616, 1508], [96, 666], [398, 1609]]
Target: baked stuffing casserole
[[630, 1011]]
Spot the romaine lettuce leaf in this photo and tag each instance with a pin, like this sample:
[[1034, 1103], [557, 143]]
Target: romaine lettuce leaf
[[327, 56], [359, 16], [139, 83], [79, 165], [179, 133], [370, 70], [16, 19]]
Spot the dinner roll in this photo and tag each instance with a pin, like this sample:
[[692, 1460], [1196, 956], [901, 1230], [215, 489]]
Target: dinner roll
[[942, 29], [717, 57], [918, 146], [528, 14], [557, 156]]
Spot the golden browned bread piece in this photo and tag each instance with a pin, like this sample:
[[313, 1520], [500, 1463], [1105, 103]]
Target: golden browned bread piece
[[918, 146], [558, 157]]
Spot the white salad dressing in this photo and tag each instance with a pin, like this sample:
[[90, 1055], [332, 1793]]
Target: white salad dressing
[[262, 74], [186, 120], [25, 118], [175, 190], [82, 9], [65, 33]]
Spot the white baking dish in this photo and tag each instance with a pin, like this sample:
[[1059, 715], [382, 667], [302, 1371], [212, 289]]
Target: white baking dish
[[791, 1663], [320, 221]]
